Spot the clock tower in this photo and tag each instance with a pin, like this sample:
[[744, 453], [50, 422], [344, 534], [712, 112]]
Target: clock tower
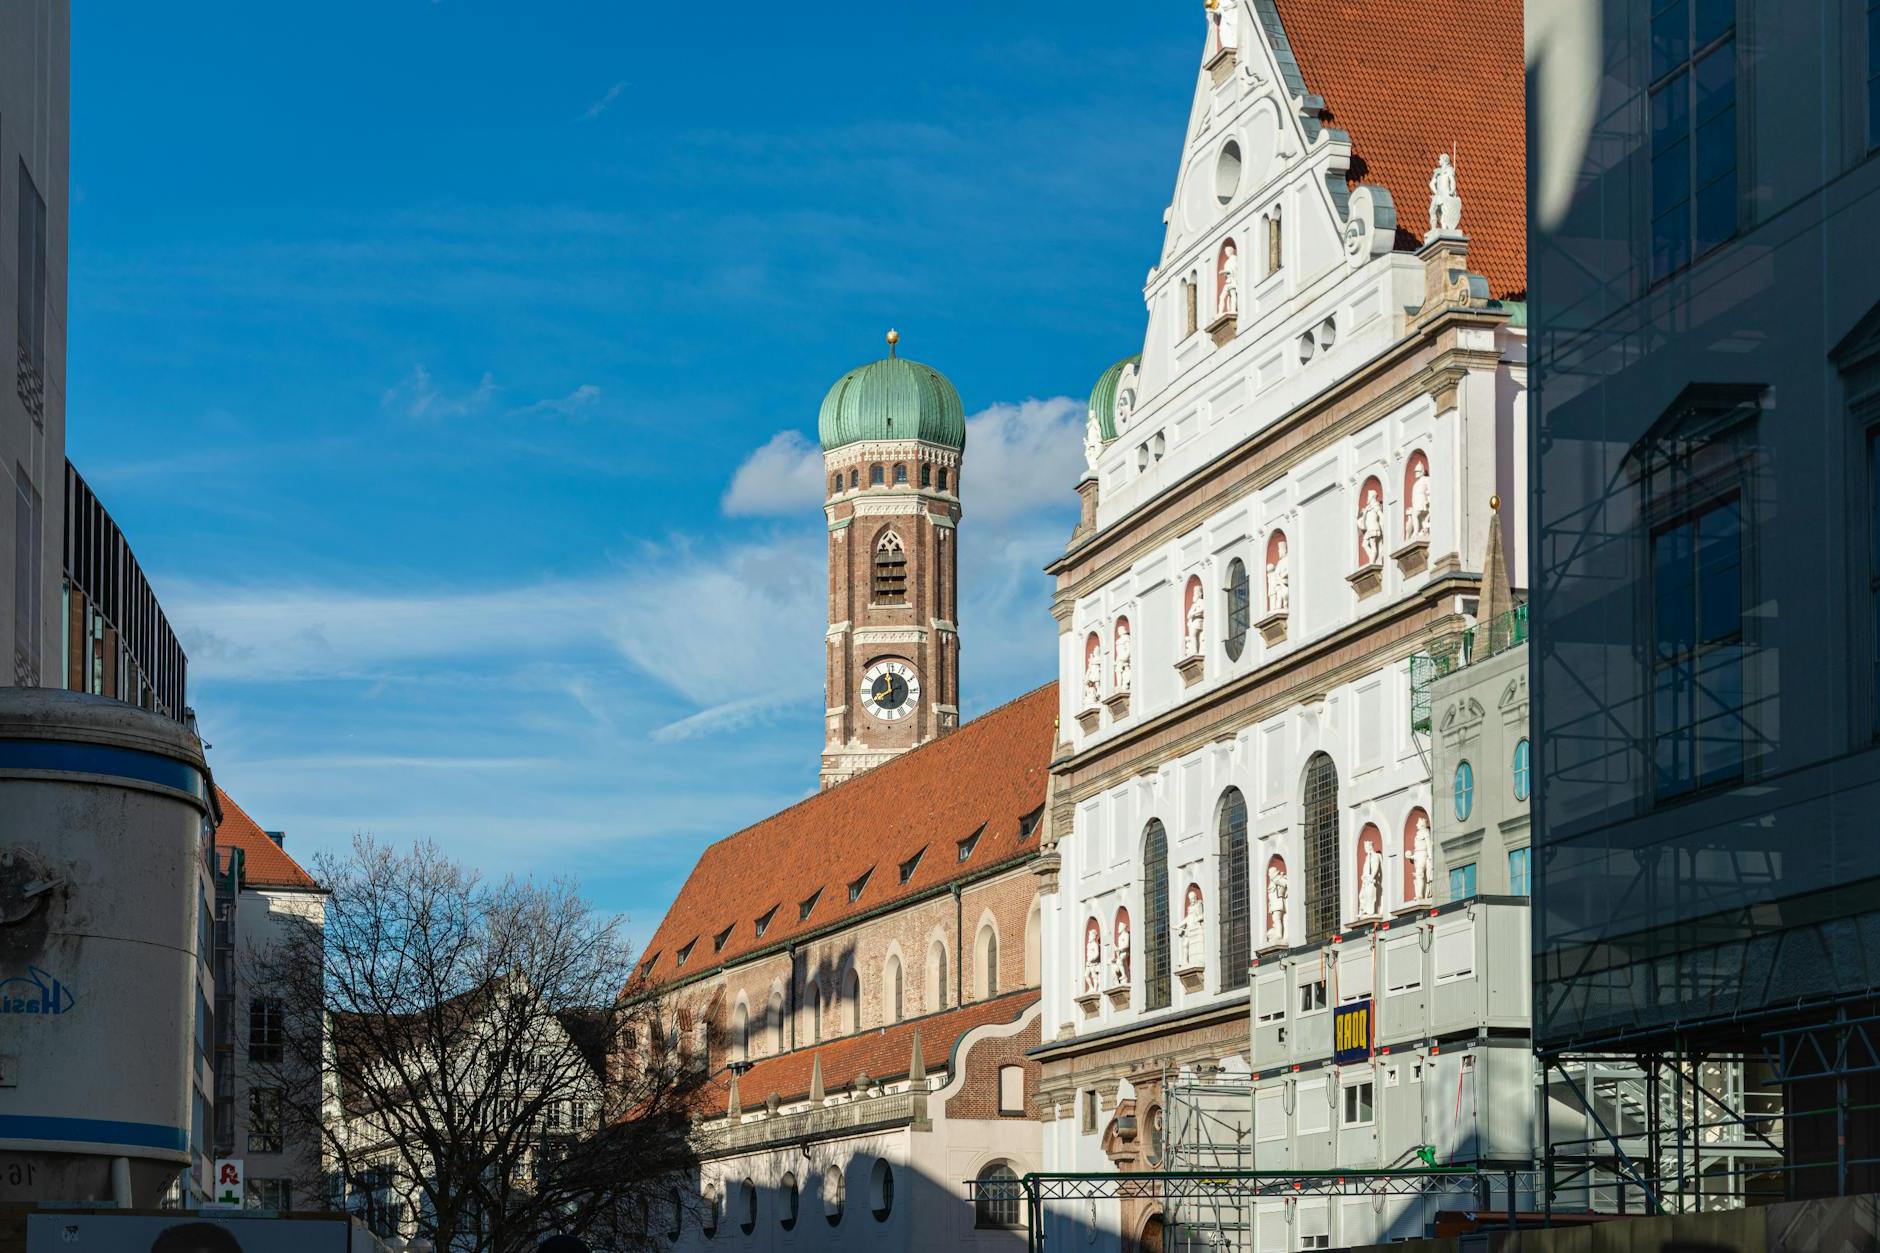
[[892, 437]]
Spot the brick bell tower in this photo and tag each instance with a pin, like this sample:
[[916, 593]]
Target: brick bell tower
[[892, 437]]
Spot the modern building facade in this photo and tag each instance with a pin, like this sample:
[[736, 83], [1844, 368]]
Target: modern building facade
[[1706, 321], [117, 642], [35, 91], [1289, 498], [261, 892]]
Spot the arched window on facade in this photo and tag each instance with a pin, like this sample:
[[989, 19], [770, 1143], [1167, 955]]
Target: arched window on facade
[[1275, 242], [776, 1022], [995, 1199], [875, 476], [1239, 596], [893, 980], [835, 482], [855, 479], [851, 1002], [1320, 824], [741, 1031], [926, 474], [1033, 941], [900, 475], [1156, 992], [1235, 907], [815, 1013], [936, 977], [890, 570], [986, 954]]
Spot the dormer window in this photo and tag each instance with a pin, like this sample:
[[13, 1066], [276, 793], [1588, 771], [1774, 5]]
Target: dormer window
[[804, 909], [763, 924], [1028, 825], [971, 842], [855, 888], [720, 940], [912, 864], [686, 951]]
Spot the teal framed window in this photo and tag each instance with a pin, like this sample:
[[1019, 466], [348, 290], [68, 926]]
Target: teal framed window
[[1520, 872], [1465, 791], [1462, 882], [1522, 777]]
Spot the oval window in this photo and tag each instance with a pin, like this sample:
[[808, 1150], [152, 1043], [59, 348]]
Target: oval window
[[1227, 173], [1521, 771], [1465, 791], [1239, 609], [881, 1186]]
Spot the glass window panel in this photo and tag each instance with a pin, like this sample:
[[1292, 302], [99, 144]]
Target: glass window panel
[[1716, 149], [1670, 714], [1670, 35], [1672, 602], [1718, 709], [1671, 241], [1671, 178], [1720, 574], [1711, 19], [1716, 213], [1716, 81], [1670, 112]]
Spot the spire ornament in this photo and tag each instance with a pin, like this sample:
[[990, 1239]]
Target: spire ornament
[[894, 337]]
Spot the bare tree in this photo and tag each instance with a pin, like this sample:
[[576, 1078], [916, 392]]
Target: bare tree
[[463, 1050]]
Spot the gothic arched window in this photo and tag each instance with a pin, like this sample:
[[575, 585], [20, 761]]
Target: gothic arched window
[[855, 479], [1321, 839], [776, 1022], [741, 1031], [875, 476], [937, 972], [890, 571], [987, 950], [1236, 914], [1156, 993], [1239, 609], [895, 1002]]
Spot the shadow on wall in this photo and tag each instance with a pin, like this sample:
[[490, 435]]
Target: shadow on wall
[[838, 1195]]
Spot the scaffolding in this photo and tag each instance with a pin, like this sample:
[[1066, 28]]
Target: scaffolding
[[1210, 1133]]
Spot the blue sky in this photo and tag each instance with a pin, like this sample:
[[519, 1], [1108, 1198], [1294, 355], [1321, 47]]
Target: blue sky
[[455, 376]]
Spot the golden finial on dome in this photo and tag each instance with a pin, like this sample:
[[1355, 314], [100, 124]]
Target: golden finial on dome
[[1494, 502], [894, 337]]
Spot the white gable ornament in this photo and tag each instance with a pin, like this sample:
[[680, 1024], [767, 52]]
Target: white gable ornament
[[1371, 224]]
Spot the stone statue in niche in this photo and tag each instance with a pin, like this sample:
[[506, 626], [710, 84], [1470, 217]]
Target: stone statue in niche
[[1093, 958], [1192, 931], [1229, 300], [1371, 528], [1422, 869], [1093, 673], [1279, 581], [1416, 515], [1370, 882], [1276, 892], [1123, 655], [1119, 954], [1445, 204], [1191, 639]]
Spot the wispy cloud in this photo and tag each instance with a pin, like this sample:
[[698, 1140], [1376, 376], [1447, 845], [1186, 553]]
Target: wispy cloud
[[607, 98], [418, 396], [578, 401]]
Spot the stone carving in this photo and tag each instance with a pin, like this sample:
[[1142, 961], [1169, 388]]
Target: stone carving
[[1279, 580], [1119, 952], [1422, 869], [1445, 204], [1370, 527], [1227, 24], [1093, 957], [1370, 882], [1123, 655], [1193, 929], [1125, 403], [1228, 301], [1416, 514], [1093, 442], [1277, 890], [1093, 671], [1191, 638]]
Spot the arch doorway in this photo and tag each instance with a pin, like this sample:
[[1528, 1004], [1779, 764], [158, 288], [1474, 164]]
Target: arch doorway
[[1150, 1241]]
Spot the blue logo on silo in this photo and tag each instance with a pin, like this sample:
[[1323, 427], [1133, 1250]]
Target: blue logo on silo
[[35, 992]]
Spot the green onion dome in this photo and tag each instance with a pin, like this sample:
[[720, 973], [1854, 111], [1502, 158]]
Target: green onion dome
[[892, 399], [1103, 397]]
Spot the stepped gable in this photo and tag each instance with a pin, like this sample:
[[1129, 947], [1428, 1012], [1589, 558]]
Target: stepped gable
[[884, 1054], [990, 774], [265, 864], [1408, 82]]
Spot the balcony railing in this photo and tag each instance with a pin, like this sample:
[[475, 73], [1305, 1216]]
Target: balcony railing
[[1453, 652]]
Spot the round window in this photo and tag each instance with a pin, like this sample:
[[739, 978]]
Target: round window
[[881, 1190], [1521, 771], [1227, 172], [832, 1195], [788, 1198], [1465, 791]]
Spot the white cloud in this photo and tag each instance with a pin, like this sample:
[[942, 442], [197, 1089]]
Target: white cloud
[[1020, 458], [578, 401], [782, 479], [600, 106], [418, 396]]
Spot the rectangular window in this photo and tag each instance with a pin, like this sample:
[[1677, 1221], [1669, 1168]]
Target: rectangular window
[[1462, 882], [1269, 1114], [1311, 996], [1520, 881], [264, 1120], [1089, 1120], [1693, 135], [1359, 1101], [28, 545], [1403, 966], [1011, 1089], [32, 295], [1190, 322], [267, 1029], [1354, 977], [1697, 649], [1313, 1106], [1269, 999], [1454, 956], [271, 1194]]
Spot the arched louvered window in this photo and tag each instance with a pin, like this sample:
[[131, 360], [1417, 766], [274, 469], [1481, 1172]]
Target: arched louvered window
[[890, 571], [1320, 825], [1156, 993], [1236, 913]]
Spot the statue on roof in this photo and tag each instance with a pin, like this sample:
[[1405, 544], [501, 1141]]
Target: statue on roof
[[1445, 204]]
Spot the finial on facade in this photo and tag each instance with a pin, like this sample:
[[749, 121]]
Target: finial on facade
[[816, 1081], [917, 1064], [894, 337], [735, 1104], [1494, 502]]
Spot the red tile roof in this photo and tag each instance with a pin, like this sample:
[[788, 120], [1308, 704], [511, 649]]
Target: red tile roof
[[1407, 81], [265, 864], [884, 1053], [990, 773]]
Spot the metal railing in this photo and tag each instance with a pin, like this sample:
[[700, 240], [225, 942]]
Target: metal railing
[[1455, 652]]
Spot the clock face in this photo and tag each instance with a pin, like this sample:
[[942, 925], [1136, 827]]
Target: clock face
[[890, 690]]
